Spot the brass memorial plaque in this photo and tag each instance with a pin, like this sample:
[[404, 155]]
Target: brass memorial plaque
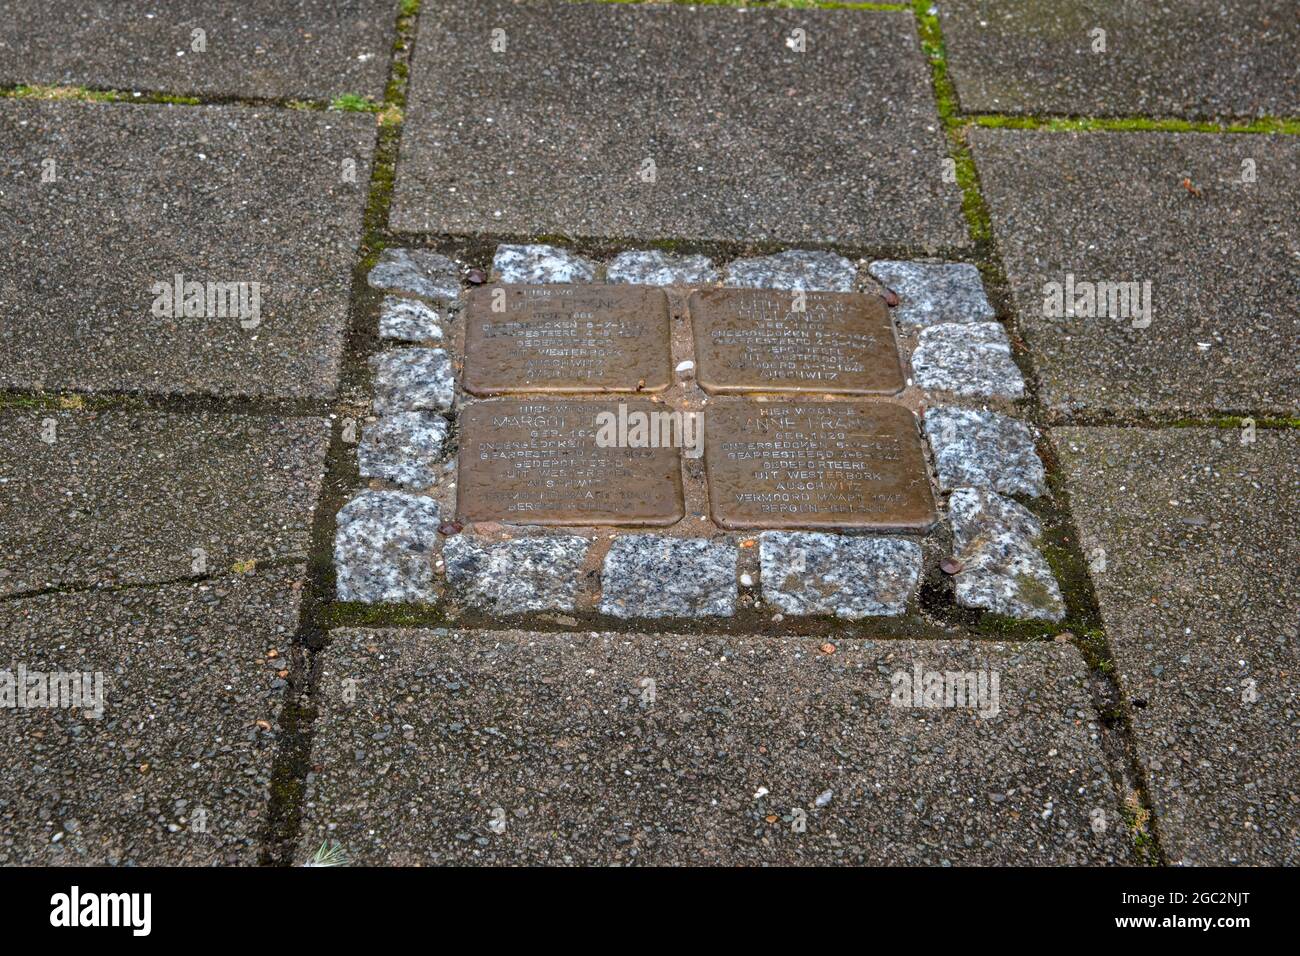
[[768, 340], [816, 465], [559, 463], [566, 338]]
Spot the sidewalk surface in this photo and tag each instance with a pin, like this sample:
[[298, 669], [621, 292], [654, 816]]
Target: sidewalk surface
[[240, 520]]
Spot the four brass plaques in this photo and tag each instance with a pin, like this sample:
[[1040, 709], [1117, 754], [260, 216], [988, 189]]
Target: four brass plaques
[[784, 463]]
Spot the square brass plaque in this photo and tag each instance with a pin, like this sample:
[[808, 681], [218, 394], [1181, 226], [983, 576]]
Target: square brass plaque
[[767, 340], [566, 338], [538, 462], [816, 465]]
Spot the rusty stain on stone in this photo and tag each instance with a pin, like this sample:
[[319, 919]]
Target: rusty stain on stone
[[538, 462], [764, 340], [566, 339], [816, 465]]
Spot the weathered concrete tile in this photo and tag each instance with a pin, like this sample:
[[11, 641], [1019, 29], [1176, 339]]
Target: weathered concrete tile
[[794, 269], [132, 497], [1191, 537], [934, 292], [969, 359], [383, 548], [852, 578], [177, 769], [517, 576], [1002, 570], [1220, 263], [983, 449], [408, 320], [417, 272], [315, 49], [143, 194], [560, 141], [653, 267], [537, 263], [651, 575], [1196, 58], [403, 447], [515, 747], [413, 379]]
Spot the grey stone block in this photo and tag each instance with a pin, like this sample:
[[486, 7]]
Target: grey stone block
[[383, 548], [538, 264], [408, 320], [984, 449], [817, 573], [794, 269], [413, 379], [416, 272], [649, 575], [403, 447], [968, 359], [652, 267], [1002, 570], [517, 576], [934, 292]]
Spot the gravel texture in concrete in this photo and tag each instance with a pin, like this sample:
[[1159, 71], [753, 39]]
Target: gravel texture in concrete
[[1195, 58], [1174, 210], [129, 497], [143, 194], [313, 49], [516, 747], [627, 121], [176, 770], [1192, 541]]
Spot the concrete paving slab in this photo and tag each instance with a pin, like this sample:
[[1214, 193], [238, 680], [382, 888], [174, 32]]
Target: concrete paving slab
[[176, 768], [312, 49], [102, 206], [125, 498], [1207, 220], [652, 121], [1196, 576], [1195, 58], [516, 747]]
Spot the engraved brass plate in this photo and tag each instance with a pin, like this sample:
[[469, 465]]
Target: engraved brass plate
[[539, 462], [764, 340], [816, 465], [566, 338]]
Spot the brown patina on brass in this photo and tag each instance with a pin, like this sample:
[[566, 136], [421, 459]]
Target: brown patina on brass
[[566, 339], [768, 340], [816, 465], [539, 462]]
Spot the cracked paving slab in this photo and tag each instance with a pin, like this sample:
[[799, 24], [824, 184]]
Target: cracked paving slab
[[133, 497], [176, 770], [143, 194], [523, 748]]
